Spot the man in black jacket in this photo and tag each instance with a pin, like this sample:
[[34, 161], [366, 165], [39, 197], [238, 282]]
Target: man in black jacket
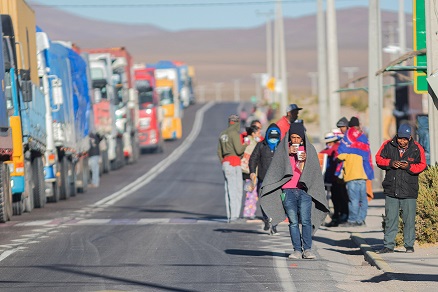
[[403, 159], [260, 160]]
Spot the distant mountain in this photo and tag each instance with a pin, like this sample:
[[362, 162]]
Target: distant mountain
[[222, 55]]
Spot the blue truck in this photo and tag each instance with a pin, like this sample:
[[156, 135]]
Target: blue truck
[[25, 107], [63, 74]]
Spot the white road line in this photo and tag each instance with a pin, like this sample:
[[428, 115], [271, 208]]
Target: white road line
[[283, 273], [160, 167], [7, 253]]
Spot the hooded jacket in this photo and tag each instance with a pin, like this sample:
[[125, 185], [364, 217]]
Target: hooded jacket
[[280, 172], [398, 182], [262, 155]]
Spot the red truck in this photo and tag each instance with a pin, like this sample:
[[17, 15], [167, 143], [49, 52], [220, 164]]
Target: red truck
[[150, 116]]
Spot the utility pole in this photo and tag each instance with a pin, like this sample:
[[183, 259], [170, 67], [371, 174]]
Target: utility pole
[[279, 28], [258, 87], [269, 66], [401, 27], [432, 68], [375, 86], [324, 123], [237, 90], [333, 64]]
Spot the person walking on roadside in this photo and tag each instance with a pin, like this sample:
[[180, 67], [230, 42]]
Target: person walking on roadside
[[93, 159], [259, 163], [342, 125], [336, 185], [355, 153], [229, 151], [403, 159], [294, 184], [291, 117], [250, 207]]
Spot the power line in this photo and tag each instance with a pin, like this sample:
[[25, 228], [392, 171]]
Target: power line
[[204, 4]]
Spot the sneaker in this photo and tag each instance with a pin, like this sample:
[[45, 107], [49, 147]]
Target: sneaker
[[410, 250], [274, 230], [348, 224], [332, 223], [295, 255], [308, 254], [385, 250], [267, 226]]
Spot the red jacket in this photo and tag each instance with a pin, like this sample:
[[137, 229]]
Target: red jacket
[[284, 126]]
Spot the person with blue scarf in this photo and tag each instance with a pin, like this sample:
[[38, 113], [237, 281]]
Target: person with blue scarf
[[259, 162]]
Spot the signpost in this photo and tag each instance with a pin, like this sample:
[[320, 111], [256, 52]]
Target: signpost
[[419, 33]]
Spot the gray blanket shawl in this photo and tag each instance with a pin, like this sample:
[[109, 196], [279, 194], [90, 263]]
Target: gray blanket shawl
[[280, 171]]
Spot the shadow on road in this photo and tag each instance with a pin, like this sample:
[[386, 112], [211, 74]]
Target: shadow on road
[[255, 253]]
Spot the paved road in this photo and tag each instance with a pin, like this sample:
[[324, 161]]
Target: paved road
[[158, 225]]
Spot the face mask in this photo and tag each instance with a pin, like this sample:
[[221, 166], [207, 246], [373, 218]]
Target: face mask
[[273, 141], [257, 139]]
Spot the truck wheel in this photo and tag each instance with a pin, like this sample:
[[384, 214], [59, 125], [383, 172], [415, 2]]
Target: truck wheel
[[28, 189], [17, 208], [72, 174], [39, 191], [56, 190], [105, 162], [5, 194], [84, 175], [65, 179], [121, 153]]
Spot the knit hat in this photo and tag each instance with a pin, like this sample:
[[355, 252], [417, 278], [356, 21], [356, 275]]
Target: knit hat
[[343, 122], [233, 118], [297, 128], [354, 122]]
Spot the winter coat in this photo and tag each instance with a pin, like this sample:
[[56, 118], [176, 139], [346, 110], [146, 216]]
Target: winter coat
[[229, 142], [260, 160], [398, 182], [280, 172]]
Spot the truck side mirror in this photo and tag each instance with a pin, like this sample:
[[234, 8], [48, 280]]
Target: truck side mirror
[[97, 95], [58, 97]]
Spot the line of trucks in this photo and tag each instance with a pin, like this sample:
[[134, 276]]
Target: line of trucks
[[54, 94]]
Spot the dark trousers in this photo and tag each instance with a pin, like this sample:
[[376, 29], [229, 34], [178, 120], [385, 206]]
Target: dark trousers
[[392, 211], [339, 198]]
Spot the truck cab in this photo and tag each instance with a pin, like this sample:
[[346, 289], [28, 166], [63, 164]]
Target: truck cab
[[150, 115]]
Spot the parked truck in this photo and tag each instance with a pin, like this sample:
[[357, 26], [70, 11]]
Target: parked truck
[[63, 78], [150, 113], [25, 104], [104, 109], [5, 149], [168, 86], [126, 101]]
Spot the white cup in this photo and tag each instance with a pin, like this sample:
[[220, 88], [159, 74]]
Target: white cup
[[295, 146], [300, 154]]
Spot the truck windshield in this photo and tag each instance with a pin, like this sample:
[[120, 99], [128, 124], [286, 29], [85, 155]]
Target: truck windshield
[[145, 96], [166, 96]]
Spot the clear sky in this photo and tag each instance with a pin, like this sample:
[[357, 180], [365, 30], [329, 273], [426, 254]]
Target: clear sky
[[203, 14]]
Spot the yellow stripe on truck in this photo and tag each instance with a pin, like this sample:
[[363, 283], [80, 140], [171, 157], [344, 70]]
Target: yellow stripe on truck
[[17, 146]]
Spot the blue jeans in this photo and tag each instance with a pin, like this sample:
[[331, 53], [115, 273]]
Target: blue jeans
[[358, 201], [299, 203], [233, 190], [93, 164]]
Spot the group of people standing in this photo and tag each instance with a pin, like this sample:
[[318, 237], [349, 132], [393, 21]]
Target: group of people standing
[[285, 172]]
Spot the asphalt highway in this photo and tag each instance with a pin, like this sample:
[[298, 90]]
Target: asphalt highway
[[157, 225]]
